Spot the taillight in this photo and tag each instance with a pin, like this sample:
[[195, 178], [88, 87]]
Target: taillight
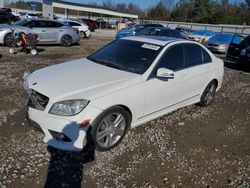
[[77, 31]]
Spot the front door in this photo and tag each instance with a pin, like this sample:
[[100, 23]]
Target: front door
[[166, 93]]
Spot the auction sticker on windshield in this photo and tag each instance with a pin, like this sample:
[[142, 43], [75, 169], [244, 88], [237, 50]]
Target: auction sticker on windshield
[[151, 47]]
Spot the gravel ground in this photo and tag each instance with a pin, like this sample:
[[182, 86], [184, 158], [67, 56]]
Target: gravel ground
[[191, 147]]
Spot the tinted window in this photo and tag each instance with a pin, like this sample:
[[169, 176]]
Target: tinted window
[[54, 24], [173, 59], [126, 55], [206, 57], [247, 40], [193, 55], [171, 33], [23, 22], [48, 24], [74, 24]]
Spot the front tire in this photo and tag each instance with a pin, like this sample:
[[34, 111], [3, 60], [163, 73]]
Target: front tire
[[8, 39], [109, 128], [66, 41], [208, 94]]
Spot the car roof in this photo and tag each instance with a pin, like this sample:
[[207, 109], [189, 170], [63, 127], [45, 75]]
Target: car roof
[[157, 40], [41, 19], [162, 28]]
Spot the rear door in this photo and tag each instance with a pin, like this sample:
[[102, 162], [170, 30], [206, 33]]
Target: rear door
[[47, 30], [235, 47], [198, 69]]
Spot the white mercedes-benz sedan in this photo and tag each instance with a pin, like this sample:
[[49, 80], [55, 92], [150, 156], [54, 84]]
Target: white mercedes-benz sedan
[[123, 85]]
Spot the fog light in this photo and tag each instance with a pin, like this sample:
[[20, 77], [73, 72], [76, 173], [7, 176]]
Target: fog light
[[60, 136]]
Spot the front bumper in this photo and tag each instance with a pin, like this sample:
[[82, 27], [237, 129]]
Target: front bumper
[[88, 34], [68, 126], [61, 132]]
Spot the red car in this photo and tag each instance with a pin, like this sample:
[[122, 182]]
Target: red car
[[91, 23]]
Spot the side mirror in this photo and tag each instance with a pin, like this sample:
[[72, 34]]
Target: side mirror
[[165, 73]]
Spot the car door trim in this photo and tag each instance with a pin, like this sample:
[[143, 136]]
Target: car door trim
[[169, 106]]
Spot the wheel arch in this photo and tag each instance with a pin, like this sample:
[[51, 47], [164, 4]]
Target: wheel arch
[[127, 110]]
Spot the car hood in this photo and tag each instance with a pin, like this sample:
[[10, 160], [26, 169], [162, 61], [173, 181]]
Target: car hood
[[81, 78]]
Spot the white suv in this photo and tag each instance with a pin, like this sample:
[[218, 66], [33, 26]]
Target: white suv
[[125, 84]]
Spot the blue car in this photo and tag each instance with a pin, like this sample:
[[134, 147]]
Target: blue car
[[132, 30], [158, 31]]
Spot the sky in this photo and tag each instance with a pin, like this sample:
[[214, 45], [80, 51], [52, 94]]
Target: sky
[[142, 3]]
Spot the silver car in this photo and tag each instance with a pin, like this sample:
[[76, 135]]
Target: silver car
[[49, 31]]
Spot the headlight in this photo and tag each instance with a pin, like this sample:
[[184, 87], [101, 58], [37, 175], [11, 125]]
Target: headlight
[[69, 107], [243, 52]]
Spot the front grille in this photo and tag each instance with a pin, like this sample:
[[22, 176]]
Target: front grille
[[37, 100]]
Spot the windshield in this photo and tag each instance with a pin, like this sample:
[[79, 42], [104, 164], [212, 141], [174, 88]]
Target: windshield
[[22, 22], [227, 38], [126, 55]]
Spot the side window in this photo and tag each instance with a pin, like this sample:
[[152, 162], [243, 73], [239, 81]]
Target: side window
[[237, 39], [40, 24], [30, 24], [247, 40], [173, 58], [193, 55], [206, 57], [74, 24]]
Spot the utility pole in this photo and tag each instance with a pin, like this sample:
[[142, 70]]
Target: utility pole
[[2, 4], [48, 10], [147, 7]]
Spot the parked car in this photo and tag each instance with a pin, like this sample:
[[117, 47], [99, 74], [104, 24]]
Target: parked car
[[244, 58], [82, 27], [49, 31], [101, 24], [6, 16], [123, 85], [185, 31], [220, 42], [91, 23], [201, 35], [158, 31], [236, 46], [132, 30]]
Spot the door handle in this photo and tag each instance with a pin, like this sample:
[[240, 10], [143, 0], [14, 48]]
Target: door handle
[[43, 31]]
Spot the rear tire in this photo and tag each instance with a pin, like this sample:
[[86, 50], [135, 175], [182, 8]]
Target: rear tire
[[208, 94], [8, 39], [66, 41], [109, 128]]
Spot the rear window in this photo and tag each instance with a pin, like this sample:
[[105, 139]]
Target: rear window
[[247, 40], [206, 57]]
